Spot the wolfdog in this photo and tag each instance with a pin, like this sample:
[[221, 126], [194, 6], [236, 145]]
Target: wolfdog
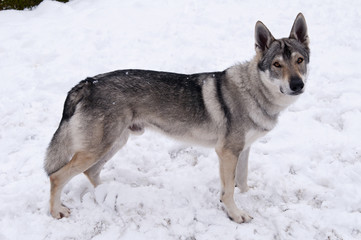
[[226, 110]]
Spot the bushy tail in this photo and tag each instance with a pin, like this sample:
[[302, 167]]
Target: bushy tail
[[60, 149]]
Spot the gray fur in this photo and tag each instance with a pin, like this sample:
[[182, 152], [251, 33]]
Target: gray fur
[[227, 110], [59, 151]]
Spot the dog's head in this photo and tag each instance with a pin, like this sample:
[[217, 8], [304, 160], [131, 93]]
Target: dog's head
[[284, 62]]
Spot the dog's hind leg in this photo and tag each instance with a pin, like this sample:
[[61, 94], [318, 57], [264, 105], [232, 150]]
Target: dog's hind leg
[[227, 164], [80, 162], [93, 172], [242, 171]]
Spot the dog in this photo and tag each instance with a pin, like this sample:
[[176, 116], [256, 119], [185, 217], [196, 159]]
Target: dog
[[227, 110]]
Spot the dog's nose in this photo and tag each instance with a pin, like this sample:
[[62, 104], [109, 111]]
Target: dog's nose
[[296, 84]]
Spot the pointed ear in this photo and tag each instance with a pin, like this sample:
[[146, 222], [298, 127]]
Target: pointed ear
[[263, 37], [299, 30]]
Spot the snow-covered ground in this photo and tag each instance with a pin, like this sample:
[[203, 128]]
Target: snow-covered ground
[[305, 176]]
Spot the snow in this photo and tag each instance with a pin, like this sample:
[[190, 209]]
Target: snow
[[305, 175]]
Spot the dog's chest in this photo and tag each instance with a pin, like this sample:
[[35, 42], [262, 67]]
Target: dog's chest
[[251, 136]]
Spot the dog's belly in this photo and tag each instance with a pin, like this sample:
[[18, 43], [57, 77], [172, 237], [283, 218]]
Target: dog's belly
[[201, 137], [196, 135]]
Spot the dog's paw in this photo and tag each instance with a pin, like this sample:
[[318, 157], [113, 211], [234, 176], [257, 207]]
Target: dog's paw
[[243, 188], [60, 212], [240, 216]]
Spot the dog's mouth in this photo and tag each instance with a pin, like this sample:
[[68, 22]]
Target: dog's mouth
[[297, 92], [293, 93]]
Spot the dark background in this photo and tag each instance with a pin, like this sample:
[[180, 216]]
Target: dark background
[[21, 4]]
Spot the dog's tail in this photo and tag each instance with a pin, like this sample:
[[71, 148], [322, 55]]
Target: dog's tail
[[61, 149]]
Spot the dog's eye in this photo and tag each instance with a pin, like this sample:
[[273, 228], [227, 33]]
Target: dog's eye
[[299, 60], [277, 64]]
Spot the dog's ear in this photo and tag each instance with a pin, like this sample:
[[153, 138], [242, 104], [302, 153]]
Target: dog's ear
[[299, 30], [263, 37]]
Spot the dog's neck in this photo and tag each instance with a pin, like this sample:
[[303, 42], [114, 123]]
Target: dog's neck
[[271, 94], [262, 95]]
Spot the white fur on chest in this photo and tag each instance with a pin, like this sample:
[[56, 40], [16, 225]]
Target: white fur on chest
[[251, 136]]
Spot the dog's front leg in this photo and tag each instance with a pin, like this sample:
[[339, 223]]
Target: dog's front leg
[[227, 165], [242, 171]]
